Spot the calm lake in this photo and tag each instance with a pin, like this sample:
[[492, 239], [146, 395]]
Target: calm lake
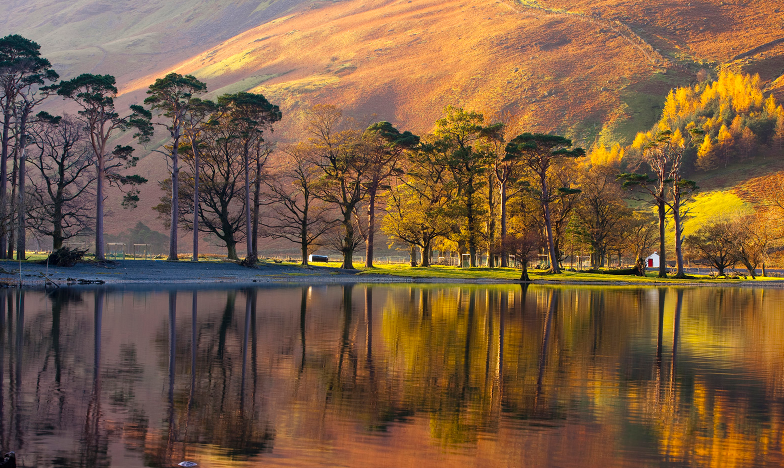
[[393, 375]]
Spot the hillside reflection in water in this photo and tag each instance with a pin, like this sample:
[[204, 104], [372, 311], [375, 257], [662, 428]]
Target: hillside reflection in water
[[393, 375]]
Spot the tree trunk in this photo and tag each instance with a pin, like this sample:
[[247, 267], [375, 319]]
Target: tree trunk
[[524, 271], [57, 232], [231, 249], [196, 204], [639, 265], [764, 270], [491, 219], [99, 247], [348, 242], [470, 217], [425, 251], [752, 271], [249, 258], [304, 250], [371, 227], [175, 203], [4, 182], [21, 248], [256, 202], [57, 219], [662, 254], [554, 268], [676, 215], [303, 232], [12, 206], [412, 255], [504, 256]]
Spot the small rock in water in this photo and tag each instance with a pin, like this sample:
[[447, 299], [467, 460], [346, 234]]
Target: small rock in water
[[8, 461], [188, 464]]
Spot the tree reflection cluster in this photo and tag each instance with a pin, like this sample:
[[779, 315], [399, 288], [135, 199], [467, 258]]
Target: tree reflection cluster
[[227, 377]]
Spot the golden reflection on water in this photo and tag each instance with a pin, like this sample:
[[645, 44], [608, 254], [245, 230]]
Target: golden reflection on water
[[394, 375]]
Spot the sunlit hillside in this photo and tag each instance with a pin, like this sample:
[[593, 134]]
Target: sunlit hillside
[[132, 38], [744, 35], [405, 60], [569, 67], [593, 70]]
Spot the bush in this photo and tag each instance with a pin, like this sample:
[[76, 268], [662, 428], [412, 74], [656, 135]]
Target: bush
[[66, 257]]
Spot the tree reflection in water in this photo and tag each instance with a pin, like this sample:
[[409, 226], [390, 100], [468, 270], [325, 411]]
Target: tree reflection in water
[[336, 374]]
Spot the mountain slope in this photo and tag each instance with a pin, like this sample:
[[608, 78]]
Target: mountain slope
[[549, 68], [405, 60], [132, 38], [589, 69]]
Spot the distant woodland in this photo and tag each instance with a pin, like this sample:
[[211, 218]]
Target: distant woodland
[[468, 189]]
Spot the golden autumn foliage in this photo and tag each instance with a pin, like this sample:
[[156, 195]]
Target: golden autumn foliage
[[704, 153], [731, 112], [600, 155]]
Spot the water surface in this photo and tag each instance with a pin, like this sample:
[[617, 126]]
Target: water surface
[[393, 375]]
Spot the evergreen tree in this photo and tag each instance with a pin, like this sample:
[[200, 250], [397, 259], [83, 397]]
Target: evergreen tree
[[385, 146], [538, 153], [95, 94], [250, 115], [170, 98], [23, 73], [457, 136]]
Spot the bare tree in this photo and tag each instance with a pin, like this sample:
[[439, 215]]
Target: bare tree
[[524, 246], [61, 180], [601, 210], [344, 170], [752, 240], [638, 233], [712, 244], [260, 154], [221, 193], [296, 214]]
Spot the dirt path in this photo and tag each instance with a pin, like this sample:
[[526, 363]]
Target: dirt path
[[648, 51]]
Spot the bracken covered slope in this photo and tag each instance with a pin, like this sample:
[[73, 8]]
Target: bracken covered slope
[[569, 67], [405, 60]]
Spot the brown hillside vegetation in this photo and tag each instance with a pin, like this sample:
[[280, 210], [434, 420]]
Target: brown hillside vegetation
[[566, 67], [745, 35], [405, 60], [708, 30]]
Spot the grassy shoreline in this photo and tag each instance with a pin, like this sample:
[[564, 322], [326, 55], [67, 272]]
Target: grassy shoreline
[[215, 271], [542, 276]]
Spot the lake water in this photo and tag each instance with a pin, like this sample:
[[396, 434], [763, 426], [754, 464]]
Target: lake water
[[394, 376]]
